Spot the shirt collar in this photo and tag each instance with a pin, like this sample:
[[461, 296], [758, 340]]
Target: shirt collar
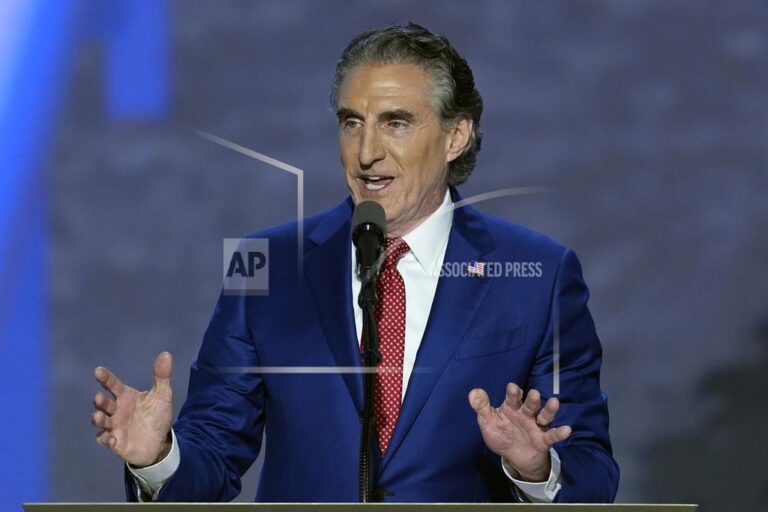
[[429, 239]]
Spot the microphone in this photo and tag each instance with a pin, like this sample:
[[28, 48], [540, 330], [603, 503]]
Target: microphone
[[368, 234]]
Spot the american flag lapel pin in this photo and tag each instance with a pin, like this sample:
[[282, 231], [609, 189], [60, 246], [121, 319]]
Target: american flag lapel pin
[[476, 268]]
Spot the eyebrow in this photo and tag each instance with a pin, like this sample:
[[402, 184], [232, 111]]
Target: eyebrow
[[398, 113], [389, 115], [346, 112]]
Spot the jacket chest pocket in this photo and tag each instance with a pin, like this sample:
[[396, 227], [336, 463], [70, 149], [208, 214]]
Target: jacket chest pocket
[[491, 344]]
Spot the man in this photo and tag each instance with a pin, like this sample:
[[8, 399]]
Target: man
[[409, 132]]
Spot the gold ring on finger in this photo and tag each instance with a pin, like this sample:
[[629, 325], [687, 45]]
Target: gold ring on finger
[[541, 425]]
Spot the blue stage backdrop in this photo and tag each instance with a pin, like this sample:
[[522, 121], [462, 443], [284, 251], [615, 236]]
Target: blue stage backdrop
[[648, 118]]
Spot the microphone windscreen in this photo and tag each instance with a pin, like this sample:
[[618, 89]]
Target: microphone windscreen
[[369, 212]]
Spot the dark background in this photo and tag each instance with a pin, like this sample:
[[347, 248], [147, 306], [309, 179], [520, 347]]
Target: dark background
[[648, 117]]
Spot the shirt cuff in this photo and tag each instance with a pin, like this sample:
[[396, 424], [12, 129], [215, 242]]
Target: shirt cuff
[[538, 492], [152, 478]]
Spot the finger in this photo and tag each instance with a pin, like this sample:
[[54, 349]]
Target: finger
[[109, 381], [106, 439], [162, 370], [512, 400], [556, 435], [105, 404], [532, 403], [480, 402], [103, 437], [548, 413], [101, 420]]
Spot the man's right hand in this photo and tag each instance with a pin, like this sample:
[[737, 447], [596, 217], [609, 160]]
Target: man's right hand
[[135, 425]]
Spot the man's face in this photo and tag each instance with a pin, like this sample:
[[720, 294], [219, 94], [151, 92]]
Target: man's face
[[393, 147]]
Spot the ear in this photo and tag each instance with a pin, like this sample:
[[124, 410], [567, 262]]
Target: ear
[[458, 138]]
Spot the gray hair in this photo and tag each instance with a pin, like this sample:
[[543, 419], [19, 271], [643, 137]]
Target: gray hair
[[454, 95]]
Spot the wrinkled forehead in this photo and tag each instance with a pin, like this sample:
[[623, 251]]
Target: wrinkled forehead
[[368, 87]]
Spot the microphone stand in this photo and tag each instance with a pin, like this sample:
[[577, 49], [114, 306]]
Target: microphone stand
[[371, 358]]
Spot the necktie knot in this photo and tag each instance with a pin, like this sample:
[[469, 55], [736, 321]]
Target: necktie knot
[[394, 249]]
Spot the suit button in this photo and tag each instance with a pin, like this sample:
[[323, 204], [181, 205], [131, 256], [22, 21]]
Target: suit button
[[379, 493]]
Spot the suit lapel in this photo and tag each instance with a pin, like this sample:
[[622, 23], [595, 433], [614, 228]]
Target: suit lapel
[[456, 302], [327, 268]]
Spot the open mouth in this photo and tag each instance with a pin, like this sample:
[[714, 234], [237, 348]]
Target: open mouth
[[375, 183]]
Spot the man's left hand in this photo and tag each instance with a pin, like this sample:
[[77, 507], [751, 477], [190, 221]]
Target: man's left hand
[[513, 432]]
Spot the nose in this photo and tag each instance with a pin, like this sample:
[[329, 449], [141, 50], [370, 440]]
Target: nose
[[371, 150]]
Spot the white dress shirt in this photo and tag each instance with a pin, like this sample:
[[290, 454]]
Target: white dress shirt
[[420, 268]]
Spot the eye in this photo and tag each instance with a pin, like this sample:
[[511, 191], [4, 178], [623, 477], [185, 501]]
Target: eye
[[398, 124], [351, 123]]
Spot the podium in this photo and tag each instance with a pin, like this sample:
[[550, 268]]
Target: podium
[[354, 507]]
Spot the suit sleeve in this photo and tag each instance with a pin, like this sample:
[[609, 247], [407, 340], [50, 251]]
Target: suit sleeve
[[219, 429], [569, 359]]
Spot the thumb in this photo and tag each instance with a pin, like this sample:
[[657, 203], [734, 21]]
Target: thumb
[[480, 402], [162, 370]]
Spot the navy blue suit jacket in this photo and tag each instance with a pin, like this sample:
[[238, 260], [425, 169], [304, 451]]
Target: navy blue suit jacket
[[482, 332]]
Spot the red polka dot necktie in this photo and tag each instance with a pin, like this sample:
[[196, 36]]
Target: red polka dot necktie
[[390, 319]]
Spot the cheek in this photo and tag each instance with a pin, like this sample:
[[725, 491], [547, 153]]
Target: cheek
[[425, 166], [348, 152]]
